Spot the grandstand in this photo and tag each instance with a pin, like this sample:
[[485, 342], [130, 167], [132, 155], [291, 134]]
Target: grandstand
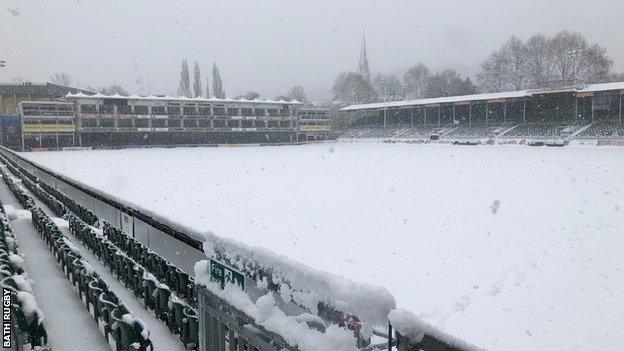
[[583, 112]]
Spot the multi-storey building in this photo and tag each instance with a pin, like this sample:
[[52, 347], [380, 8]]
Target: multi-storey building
[[117, 120]]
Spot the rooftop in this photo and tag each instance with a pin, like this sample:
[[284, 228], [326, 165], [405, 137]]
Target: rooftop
[[489, 96], [99, 96]]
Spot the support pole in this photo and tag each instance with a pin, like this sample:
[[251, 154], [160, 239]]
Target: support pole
[[524, 112], [470, 114], [389, 336], [453, 113], [505, 112], [425, 115], [620, 113], [439, 113], [593, 107], [487, 112], [576, 109], [412, 117]]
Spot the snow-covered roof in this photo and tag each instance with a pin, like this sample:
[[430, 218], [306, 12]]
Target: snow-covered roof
[[100, 96], [485, 97], [441, 100], [603, 87]]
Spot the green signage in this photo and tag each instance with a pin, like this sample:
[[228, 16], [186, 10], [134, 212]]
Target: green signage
[[225, 275]]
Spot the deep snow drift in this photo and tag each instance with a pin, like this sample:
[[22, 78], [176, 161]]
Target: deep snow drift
[[508, 248]]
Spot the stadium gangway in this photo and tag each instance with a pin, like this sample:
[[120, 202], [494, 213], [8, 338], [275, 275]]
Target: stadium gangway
[[221, 323]]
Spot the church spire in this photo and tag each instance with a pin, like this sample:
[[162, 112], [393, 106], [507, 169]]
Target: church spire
[[363, 68]]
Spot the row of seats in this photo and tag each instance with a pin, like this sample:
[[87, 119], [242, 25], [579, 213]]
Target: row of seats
[[133, 269], [106, 308], [56, 206], [474, 131], [28, 319], [126, 259], [539, 130], [82, 212], [128, 332], [603, 130]]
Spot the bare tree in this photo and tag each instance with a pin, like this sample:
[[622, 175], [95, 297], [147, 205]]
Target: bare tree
[[113, 89], [61, 78], [566, 59], [449, 83], [415, 81], [494, 73], [539, 61], [184, 88], [388, 87], [352, 88], [197, 84], [297, 93]]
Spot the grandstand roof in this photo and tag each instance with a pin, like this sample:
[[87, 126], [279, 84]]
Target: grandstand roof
[[603, 87], [32, 89], [99, 96], [485, 97]]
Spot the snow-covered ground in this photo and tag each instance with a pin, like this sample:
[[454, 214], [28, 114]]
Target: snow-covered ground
[[507, 247]]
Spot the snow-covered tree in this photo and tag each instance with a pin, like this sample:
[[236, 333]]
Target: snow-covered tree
[[207, 88], [297, 93], [388, 87], [197, 84], [184, 88], [217, 84], [415, 81], [449, 83], [112, 90], [352, 88]]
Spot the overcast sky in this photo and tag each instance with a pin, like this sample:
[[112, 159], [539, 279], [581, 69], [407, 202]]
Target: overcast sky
[[269, 46]]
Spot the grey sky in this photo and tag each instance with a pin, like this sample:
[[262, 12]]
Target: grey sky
[[269, 46]]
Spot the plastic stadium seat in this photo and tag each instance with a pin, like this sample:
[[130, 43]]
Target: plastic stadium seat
[[161, 295], [191, 332]]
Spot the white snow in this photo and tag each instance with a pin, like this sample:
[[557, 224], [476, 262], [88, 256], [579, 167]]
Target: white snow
[[266, 313], [543, 272]]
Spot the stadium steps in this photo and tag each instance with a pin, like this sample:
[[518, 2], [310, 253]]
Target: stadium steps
[[580, 130], [508, 130]]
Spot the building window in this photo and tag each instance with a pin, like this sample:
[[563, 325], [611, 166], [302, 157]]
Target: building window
[[140, 110], [158, 110], [159, 123], [204, 111], [190, 111], [141, 123], [173, 110], [88, 108], [124, 109], [219, 111], [107, 122], [124, 123]]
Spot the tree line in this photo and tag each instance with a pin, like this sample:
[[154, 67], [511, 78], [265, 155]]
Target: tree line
[[541, 62], [565, 59]]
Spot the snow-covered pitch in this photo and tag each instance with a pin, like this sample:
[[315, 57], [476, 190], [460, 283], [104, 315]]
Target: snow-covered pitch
[[507, 247]]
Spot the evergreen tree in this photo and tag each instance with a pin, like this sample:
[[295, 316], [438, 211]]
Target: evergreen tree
[[185, 85], [217, 84], [207, 88], [197, 84]]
